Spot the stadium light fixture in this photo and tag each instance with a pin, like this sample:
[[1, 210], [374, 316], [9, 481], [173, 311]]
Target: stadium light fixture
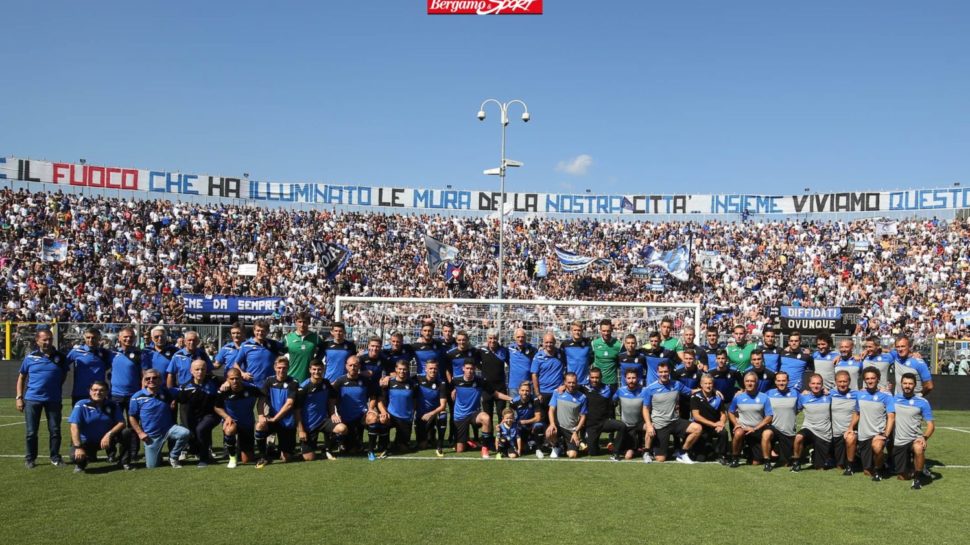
[[504, 164]]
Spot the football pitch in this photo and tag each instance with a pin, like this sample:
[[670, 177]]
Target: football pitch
[[463, 499]]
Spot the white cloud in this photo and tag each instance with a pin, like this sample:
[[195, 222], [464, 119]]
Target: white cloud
[[577, 166]]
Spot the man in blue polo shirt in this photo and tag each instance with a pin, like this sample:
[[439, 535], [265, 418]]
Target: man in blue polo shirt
[[150, 416], [567, 418], [228, 351], [578, 353], [547, 371], [256, 356], [905, 362], [426, 348], [125, 376], [795, 361], [335, 352], [180, 366], [39, 386], [96, 424], [520, 361], [158, 353], [90, 362]]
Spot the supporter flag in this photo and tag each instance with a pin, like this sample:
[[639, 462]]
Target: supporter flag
[[439, 253], [53, 249], [572, 262], [332, 257], [675, 262], [886, 227], [627, 204], [542, 269], [454, 271]]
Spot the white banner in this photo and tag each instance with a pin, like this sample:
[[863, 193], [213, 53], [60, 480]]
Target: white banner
[[180, 183]]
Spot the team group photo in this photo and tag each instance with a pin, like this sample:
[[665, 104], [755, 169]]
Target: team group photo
[[499, 270]]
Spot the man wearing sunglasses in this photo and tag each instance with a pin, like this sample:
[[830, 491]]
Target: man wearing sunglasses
[[150, 416]]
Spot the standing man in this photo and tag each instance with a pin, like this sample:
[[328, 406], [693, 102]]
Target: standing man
[[785, 407], [825, 360], [303, 346], [277, 413], [713, 344], [96, 424], [126, 374], [727, 380], [336, 351], [494, 361], [874, 418], [448, 337], [158, 353], [656, 355], [766, 377], [849, 363], [547, 371], [567, 417], [520, 360], [817, 426], [578, 353], [750, 415], [905, 362], [688, 374], [257, 355], [397, 351], [374, 365], [770, 349], [700, 355], [316, 404], [462, 352], [873, 356], [795, 362], [600, 411], [227, 353], [909, 445], [150, 417], [667, 339], [426, 347], [606, 352], [179, 370], [660, 413], [39, 388], [739, 353], [633, 358], [844, 401], [90, 362]]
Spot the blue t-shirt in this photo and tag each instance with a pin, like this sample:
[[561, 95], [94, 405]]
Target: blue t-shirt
[[90, 364], [277, 393], [181, 364], [353, 396], [226, 354], [258, 359], [468, 396], [520, 365], [153, 411], [579, 357], [314, 402], [549, 369], [93, 422], [126, 371], [430, 394], [399, 398], [153, 359], [45, 376], [240, 405], [335, 358]]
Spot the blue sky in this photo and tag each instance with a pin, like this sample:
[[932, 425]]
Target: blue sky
[[745, 96]]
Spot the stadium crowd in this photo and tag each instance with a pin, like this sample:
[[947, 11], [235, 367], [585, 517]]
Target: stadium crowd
[[130, 260], [672, 398]]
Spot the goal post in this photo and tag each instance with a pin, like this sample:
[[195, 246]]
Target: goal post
[[380, 316]]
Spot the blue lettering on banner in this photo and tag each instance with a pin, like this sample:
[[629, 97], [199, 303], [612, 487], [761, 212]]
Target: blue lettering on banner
[[151, 181]]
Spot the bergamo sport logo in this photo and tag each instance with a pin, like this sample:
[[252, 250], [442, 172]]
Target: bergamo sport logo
[[484, 7]]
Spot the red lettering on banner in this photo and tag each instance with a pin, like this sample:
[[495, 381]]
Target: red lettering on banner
[[107, 178], [82, 181], [484, 7], [89, 176], [58, 168], [129, 179]]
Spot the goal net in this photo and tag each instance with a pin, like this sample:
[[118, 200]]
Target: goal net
[[381, 316]]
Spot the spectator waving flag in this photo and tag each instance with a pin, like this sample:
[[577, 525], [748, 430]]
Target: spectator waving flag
[[439, 253], [675, 262], [572, 262], [454, 271]]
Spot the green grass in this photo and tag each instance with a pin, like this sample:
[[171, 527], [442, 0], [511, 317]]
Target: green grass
[[477, 501]]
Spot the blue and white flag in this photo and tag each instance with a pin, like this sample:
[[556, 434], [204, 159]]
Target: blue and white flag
[[331, 257], [542, 269], [572, 262], [439, 253], [53, 249], [675, 262]]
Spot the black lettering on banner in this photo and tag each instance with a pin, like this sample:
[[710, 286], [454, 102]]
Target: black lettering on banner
[[485, 201], [655, 199], [396, 196], [531, 202], [23, 171], [231, 187], [799, 202], [639, 204], [680, 204]]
